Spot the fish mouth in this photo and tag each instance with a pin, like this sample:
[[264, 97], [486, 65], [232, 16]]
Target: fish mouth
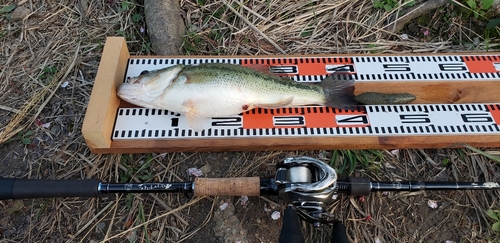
[[134, 80], [137, 80]]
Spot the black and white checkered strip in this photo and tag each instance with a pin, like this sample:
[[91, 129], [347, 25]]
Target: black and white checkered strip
[[407, 59], [137, 65], [433, 119], [407, 77], [367, 68], [386, 120], [421, 68], [414, 68]]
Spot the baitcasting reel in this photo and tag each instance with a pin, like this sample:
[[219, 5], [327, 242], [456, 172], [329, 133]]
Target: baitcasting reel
[[309, 185]]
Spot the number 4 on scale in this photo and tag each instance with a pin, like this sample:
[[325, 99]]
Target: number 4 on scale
[[347, 120]]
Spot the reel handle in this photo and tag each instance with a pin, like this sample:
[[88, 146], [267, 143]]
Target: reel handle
[[290, 231], [338, 233]]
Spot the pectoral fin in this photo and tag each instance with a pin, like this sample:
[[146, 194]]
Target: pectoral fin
[[196, 122], [285, 102]]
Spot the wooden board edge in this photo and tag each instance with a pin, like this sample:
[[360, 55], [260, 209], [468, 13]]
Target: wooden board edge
[[282, 144], [103, 104], [326, 55]]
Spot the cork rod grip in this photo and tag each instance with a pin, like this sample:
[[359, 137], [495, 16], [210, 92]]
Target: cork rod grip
[[242, 186]]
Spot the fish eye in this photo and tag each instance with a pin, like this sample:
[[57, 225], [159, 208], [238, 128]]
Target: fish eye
[[144, 72]]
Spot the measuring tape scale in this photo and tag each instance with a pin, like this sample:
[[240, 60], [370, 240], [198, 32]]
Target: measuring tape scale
[[363, 68], [373, 120]]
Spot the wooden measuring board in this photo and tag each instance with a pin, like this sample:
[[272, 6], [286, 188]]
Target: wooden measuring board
[[457, 103]]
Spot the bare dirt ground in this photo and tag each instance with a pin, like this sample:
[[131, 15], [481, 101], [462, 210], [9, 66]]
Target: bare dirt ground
[[48, 62]]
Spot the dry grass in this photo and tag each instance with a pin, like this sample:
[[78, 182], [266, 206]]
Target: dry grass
[[61, 41]]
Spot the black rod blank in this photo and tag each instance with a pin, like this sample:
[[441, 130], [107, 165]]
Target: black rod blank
[[362, 186], [155, 187]]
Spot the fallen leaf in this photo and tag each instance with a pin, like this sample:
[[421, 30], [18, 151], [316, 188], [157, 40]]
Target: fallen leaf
[[275, 215], [432, 204], [223, 206], [244, 200], [7, 8], [195, 172], [64, 84]]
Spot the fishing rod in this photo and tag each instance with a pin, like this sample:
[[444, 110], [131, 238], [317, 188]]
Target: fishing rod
[[306, 184]]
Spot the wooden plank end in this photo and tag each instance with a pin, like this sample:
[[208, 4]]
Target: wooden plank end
[[101, 111]]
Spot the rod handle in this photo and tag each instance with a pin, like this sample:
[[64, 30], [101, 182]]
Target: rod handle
[[242, 186], [11, 188]]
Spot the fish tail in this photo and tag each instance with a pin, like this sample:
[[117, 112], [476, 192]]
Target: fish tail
[[339, 90]]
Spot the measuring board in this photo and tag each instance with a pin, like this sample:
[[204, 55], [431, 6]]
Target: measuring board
[[458, 103], [380, 120]]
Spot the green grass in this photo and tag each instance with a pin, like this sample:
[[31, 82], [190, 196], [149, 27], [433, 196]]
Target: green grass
[[495, 215], [389, 5], [23, 136], [48, 73], [134, 28], [345, 162], [193, 43], [142, 219], [485, 154], [138, 168]]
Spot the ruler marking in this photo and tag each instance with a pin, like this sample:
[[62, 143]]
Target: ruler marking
[[494, 110]]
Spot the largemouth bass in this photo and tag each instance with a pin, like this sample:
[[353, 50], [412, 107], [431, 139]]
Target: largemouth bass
[[215, 90]]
